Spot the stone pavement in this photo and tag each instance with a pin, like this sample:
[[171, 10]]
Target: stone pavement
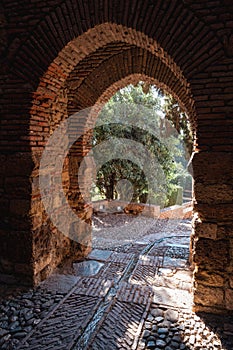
[[135, 297]]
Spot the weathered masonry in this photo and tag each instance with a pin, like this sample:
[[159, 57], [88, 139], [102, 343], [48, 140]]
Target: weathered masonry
[[58, 57]]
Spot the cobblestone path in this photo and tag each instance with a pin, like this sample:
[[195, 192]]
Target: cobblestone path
[[137, 297]]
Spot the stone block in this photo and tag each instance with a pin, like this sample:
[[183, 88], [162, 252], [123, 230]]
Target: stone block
[[210, 254], [152, 211], [214, 212], [229, 299], [222, 232], [209, 278], [205, 230], [231, 282], [217, 193], [208, 296], [228, 230], [173, 212], [206, 167]]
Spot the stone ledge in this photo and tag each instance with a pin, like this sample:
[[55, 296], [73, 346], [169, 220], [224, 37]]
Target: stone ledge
[[117, 206]]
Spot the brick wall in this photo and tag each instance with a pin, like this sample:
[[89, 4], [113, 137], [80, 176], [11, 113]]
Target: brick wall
[[58, 57]]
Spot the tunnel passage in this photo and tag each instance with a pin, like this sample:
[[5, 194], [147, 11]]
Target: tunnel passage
[[77, 93], [49, 72]]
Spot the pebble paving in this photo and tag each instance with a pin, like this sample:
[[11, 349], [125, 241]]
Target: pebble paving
[[134, 297], [124, 332]]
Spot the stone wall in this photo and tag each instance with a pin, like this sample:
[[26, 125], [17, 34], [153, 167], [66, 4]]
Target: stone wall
[[58, 57], [150, 210], [115, 206]]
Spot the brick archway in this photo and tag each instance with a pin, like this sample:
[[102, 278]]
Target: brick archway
[[67, 87], [190, 46], [134, 79]]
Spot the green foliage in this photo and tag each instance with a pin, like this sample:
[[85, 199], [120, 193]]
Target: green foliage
[[119, 169], [164, 145]]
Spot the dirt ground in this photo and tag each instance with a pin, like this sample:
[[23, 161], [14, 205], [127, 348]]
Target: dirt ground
[[115, 230]]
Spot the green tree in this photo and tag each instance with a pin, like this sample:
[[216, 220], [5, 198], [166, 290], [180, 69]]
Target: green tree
[[169, 154]]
